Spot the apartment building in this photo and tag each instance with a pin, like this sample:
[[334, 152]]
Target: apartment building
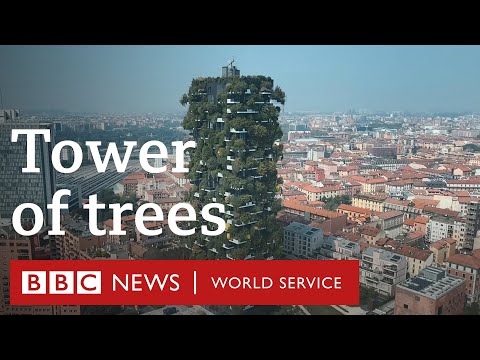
[[317, 193], [441, 227], [381, 270], [337, 248], [391, 222], [376, 185], [301, 240], [374, 202], [354, 212], [417, 259], [77, 238]]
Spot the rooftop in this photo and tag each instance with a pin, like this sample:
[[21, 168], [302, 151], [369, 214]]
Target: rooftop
[[355, 209], [384, 254], [465, 260], [388, 214], [372, 197], [303, 229], [431, 282]]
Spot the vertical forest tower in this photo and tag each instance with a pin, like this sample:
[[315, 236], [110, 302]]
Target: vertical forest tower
[[234, 121]]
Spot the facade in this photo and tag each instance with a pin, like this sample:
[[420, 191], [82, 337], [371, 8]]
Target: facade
[[370, 201], [353, 212], [432, 292], [376, 185], [370, 233], [391, 222], [472, 185], [405, 206], [466, 267], [398, 187], [472, 223], [417, 259], [442, 250], [14, 247], [234, 121], [301, 240], [77, 240], [420, 224], [316, 153], [382, 270], [16, 187], [317, 193], [442, 227]]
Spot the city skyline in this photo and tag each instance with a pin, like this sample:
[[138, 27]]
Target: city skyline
[[141, 79]]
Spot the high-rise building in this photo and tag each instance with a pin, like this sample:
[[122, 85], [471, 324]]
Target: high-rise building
[[234, 121], [16, 187], [472, 224]]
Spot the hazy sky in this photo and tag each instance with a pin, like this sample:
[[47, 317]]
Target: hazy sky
[[315, 78]]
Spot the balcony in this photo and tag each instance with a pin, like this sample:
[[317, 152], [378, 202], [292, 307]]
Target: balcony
[[230, 158], [367, 259], [237, 242], [227, 247], [247, 205], [229, 167], [234, 131], [386, 280], [390, 274], [198, 244], [248, 111], [390, 267]]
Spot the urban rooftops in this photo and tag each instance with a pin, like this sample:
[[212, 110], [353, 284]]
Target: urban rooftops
[[431, 282]]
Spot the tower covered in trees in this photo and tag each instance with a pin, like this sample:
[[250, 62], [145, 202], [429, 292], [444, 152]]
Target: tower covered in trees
[[234, 121]]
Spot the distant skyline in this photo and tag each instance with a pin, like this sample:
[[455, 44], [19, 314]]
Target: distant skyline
[[140, 79]]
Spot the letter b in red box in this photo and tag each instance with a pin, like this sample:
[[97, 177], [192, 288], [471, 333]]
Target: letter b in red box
[[61, 282]]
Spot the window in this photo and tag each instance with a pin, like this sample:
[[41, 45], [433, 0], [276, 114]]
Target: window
[[417, 298], [405, 306], [463, 275], [440, 310]]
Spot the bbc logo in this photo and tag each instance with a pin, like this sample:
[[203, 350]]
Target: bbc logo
[[61, 282]]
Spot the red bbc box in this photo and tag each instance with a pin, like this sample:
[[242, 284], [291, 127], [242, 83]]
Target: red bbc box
[[190, 282]]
